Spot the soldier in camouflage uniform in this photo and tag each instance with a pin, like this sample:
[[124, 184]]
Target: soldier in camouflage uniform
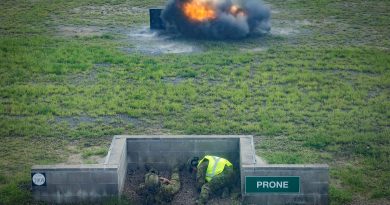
[[214, 175], [159, 190]]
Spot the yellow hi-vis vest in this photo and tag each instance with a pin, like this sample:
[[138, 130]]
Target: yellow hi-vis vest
[[215, 167]]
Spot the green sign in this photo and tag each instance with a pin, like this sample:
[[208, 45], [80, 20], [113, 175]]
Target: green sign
[[277, 184]]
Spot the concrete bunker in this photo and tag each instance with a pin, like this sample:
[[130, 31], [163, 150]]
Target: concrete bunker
[[302, 184]]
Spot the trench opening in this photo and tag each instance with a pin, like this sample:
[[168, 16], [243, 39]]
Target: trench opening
[[164, 154]]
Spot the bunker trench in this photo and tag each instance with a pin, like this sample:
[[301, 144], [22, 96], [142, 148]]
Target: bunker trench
[[163, 154], [124, 169], [186, 195]]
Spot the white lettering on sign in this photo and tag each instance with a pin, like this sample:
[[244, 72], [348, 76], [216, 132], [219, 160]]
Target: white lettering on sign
[[272, 184]]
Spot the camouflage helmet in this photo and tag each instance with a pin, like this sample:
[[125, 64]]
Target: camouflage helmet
[[152, 181]]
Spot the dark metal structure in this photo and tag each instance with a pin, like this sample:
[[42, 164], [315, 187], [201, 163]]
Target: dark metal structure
[[156, 21]]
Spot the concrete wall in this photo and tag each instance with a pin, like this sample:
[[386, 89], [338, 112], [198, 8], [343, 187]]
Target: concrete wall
[[314, 183], [74, 183], [117, 155], [314, 179], [77, 183], [164, 152]]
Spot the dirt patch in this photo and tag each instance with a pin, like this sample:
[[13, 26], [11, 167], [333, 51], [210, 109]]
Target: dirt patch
[[154, 42], [283, 31], [96, 159], [173, 80], [186, 196], [76, 156], [80, 31], [253, 50], [364, 201], [75, 159], [78, 159], [112, 120], [287, 27], [108, 10]]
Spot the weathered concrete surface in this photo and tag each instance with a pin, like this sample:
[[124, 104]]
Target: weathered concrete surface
[[117, 156], [314, 179], [164, 152], [76, 183], [73, 183], [314, 184]]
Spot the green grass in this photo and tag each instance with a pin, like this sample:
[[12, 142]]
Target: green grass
[[319, 96], [101, 151]]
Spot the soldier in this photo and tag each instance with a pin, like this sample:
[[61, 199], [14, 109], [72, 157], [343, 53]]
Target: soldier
[[213, 175], [159, 190]]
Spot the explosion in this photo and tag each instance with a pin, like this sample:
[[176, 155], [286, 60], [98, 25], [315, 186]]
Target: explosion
[[198, 10], [216, 19], [235, 10]]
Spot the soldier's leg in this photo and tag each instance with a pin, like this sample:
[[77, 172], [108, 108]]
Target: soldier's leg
[[204, 195], [141, 190], [169, 190], [159, 199], [175, 182], [150, 200], [216, 185], [222, 181], [152, 186]]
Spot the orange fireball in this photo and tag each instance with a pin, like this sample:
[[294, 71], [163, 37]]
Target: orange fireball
[[199, 10]]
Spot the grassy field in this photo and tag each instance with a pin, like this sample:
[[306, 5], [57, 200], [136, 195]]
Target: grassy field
[[316, 90]]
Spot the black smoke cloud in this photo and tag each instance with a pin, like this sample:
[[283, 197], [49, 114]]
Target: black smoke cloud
[[225, 25]]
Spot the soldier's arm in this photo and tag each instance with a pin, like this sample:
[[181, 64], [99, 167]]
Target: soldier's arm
[[164, 180]]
